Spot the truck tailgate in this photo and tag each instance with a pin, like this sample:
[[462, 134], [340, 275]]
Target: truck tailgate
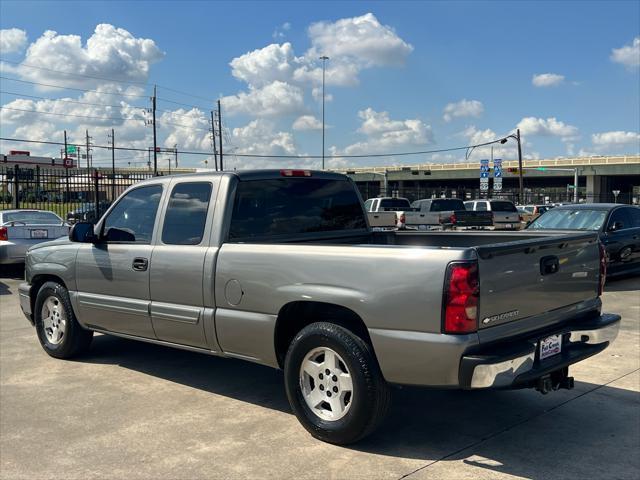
[[416, 219], [526, 278]]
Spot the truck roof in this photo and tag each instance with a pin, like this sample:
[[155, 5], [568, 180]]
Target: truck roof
[[255, 175]]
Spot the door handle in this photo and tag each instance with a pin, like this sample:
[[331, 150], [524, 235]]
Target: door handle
[[140, 264]]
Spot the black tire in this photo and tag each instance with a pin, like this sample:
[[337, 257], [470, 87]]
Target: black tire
[[371, 394], [75, 340]]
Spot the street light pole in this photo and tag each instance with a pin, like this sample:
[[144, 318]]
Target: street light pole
[[324, 59], [516, 137]]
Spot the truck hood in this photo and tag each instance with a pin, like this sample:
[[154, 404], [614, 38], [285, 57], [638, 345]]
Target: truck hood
[[51, 243]]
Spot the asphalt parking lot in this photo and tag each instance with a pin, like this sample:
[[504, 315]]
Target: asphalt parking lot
[[133, 410]]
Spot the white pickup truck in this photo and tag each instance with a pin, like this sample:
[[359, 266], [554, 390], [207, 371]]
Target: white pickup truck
[[395, 213]]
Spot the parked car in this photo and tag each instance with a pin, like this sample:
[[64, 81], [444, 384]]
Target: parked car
[[528, 213], [397, 210], [505, 213], [618, 227], [87, 213], [281, 268], [20, 229], [451, 213]]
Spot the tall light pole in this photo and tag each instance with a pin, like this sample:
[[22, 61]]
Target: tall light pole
[[516, 137], [324, 59]]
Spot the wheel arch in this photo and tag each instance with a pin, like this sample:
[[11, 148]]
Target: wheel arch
[[36, 284], [296, 315]]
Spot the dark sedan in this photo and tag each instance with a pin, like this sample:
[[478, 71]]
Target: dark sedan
[[618, 227]]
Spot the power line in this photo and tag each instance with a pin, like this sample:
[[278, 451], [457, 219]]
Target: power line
[[66, 114], [64, 100], [61, 100], [248, 155], [183, 104], [131, 82], [73, 88]]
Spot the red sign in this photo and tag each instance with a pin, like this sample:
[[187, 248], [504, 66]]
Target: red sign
[[19, 152], [68, 162]]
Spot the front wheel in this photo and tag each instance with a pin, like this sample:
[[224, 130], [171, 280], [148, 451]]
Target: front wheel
[[334, 384], [60, 334]]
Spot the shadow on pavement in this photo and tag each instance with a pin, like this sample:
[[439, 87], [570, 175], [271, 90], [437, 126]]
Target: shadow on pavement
[[626, 283], [422, 424], [15, 272]]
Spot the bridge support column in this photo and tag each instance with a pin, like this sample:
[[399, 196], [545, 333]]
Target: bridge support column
[[594, 188]]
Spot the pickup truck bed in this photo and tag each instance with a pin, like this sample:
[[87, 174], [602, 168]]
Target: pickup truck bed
[[282, 269]]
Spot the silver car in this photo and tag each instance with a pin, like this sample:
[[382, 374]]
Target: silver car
[[20, 229]]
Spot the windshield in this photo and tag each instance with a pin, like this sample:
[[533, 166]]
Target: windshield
[[568, 219], [32, 218], [503, 207], [446, 205]]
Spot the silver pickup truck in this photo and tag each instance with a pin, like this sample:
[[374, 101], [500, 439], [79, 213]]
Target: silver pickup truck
[[281, 268]]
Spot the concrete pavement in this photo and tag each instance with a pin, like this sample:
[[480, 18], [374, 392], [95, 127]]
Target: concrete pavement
[[139, 411]]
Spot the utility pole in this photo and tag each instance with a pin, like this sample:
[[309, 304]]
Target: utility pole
[[213, 140], [521, 183], [88, 138], [113, 165], [220, 132], [175, 150], [64, 156], [324, 59], [155, 153]]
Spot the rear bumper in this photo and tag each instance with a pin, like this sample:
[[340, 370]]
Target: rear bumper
[[11, 252], [24, 293], [516, 364]]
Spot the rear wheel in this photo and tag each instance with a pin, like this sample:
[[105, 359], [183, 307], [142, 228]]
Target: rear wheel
[[60, 334], [334, 384]]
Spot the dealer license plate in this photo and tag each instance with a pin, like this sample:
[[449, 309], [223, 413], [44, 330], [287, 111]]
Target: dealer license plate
[[508, 225], [39, 233], [550, 346]]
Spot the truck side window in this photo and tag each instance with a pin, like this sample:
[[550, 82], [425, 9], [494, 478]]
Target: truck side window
[[186, 214], [481, 206], [133, 217], [367, 205], [619, 216]]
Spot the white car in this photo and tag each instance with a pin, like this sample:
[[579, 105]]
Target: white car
[[20, 229]]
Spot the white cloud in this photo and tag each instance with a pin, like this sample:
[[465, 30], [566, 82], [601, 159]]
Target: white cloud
[[265, 65], [547, 80], [281, 31], [547, 127], [188, 129], [506, 151], [307, 122], [384, 134], [616, 139], [110, 52], [275, 99], [628, 55], [363, 39], [316, 93], [12, 40], [259, 137], [463, 108]]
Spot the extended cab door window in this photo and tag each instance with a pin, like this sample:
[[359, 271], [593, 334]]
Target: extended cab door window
[[180, 289], [133, 218]]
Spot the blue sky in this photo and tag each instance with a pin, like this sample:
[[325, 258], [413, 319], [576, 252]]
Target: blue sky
[[396, 67]]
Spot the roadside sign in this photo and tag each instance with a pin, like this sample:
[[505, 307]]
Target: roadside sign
[[484, 175], [71, 149], [497, 174]]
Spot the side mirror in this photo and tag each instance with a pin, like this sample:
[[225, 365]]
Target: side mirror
[[616, 226], [82, 232]]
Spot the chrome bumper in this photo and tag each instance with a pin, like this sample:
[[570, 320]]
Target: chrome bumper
[[500, 371]]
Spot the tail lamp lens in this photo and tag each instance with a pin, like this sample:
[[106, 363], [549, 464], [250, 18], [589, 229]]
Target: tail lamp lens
[[603, 268], [461, 298], [452, 218], [4, 234], [403, 218]]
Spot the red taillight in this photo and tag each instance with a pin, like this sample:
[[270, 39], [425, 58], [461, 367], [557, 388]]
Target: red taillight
[[603, 268], [402, 219], [452, 218], [521, 218], [4, 234], [295, 173], [461, 298]]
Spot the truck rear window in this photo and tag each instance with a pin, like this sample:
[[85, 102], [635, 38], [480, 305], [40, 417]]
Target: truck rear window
[[394, 204], [294, 206], [503, 207], [446, 205]]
